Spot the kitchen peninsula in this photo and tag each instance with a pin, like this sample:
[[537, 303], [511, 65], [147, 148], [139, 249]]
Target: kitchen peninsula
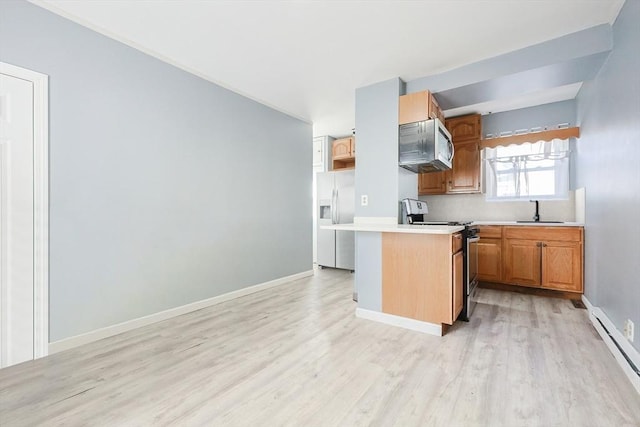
[[409, 276]]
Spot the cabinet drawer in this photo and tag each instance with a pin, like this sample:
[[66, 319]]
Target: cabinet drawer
[[564, 234], [490, 231], [456, 243]]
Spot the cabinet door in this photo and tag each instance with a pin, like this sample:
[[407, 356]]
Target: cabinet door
[[458, 286], [432, 183], [318, 158], [490, 260], [464, 176], [434, 108], [413, 107], [341, 148], [522, 262], [562, 266], [465, 128]]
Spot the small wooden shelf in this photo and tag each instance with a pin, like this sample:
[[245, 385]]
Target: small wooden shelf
[[344, 164]]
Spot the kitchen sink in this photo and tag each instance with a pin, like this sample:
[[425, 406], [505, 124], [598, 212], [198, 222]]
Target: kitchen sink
[[541, 222]]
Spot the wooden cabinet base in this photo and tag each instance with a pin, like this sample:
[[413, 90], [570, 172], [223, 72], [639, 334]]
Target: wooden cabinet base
[[531, 290], [535, 257], [417, 276]]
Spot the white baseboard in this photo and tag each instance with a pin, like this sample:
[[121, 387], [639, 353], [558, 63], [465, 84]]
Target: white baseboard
[[119, 328], [595, 314], [402, 322]]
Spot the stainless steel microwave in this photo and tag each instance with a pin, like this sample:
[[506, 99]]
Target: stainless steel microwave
[[425, 146]]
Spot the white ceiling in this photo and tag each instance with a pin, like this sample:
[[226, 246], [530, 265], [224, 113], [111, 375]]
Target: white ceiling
[[306, 58]]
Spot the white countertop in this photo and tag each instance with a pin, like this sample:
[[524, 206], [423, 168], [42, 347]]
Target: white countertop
[[532, 224], [396, 228], [438, 229]]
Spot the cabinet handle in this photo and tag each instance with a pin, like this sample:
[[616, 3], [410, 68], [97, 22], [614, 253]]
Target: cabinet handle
[[544, 245], [540, 245]]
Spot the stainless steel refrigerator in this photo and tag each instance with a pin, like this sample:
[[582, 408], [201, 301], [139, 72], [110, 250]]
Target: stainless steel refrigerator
[[336, 205]]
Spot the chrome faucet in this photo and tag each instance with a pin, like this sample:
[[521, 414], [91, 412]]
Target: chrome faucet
[[536, 217]]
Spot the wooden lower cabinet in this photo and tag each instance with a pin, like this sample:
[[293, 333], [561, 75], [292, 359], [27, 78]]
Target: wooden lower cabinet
[[458, 287], [421, 277], [490, 253], [541, 257], [490, 259], [562, 266], [522, 262]]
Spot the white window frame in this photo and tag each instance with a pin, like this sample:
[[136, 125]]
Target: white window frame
[[556, 149]]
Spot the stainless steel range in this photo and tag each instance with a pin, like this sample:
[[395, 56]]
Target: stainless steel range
[[414, 213]]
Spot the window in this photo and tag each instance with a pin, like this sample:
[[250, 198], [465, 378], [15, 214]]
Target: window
[[537, 170]]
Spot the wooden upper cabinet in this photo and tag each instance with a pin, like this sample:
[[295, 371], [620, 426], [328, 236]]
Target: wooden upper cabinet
[[434, 109], [343, 153], [432, 183], [418, 106], [341, 148], [465, 128], [464, 176]]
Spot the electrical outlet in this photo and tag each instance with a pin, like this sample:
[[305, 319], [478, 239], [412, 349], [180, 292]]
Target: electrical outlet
[[629, 330], [364, 200]]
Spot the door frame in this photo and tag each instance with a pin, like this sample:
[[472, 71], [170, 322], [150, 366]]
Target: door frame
[[40, 204]]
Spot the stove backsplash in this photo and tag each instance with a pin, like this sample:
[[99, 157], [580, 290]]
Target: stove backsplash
[[473, 207]]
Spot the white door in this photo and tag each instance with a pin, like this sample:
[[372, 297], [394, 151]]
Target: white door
[[16, 220]]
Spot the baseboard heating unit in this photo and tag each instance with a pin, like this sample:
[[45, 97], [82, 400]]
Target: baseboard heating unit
[[625, 354]]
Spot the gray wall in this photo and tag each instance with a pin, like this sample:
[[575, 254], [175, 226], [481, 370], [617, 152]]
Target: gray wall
[[526, 118], [377, 147], [368, 280], [591, 41], [608, 163], [165, 189], [377, 176]]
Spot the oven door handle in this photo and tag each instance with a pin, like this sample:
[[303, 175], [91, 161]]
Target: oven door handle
[[474, 239]]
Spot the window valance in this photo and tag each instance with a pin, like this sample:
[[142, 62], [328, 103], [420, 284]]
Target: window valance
[[547, 135]]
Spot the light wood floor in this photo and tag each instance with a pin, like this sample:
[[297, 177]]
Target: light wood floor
[[296, 355]]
